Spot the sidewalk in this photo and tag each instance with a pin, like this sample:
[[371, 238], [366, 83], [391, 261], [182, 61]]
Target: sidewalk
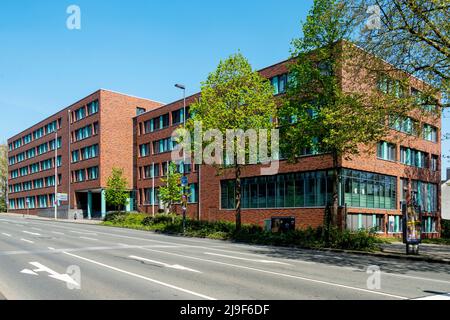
[[31, 217], [434, 251]]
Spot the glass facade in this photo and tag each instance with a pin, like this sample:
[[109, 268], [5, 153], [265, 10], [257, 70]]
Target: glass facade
[[368, 190], [296, 190]]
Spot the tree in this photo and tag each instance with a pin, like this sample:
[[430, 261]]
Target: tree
[[413, 35], [318, 114], [116, 192], [172, 192], [3, 176], [234, 97]]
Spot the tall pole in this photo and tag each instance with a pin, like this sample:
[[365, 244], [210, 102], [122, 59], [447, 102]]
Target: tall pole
[[70, 160], [56, 176], [185, 201], [153, 189]]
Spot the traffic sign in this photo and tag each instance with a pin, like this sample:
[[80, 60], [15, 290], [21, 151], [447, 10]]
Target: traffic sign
[[184, 181]]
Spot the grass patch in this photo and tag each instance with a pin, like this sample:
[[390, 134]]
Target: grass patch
[[221, 230]]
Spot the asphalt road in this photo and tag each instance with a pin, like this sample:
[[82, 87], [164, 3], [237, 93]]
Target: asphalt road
[[54, 260]]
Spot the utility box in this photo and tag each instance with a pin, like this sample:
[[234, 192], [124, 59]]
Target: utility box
[[282, 224]]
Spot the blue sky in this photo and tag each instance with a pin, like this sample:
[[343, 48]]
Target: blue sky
[[139, 47]]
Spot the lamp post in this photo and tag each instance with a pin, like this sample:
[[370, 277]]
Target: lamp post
[[55, 199], [184, 202], [69, 176]]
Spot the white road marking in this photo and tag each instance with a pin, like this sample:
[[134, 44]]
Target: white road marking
[[52, 274], [85, 233], [25, 240], [436, 297], [86, 238], [6, 234], [28, 271], [142, 277], [34, 228], [60, 233], [175, 266], [50, 248], [32, 233], [283, 275], [246, 259]]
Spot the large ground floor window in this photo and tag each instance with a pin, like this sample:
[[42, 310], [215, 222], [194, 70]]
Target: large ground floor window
[[370, 222], [368, 190], [295, 190]]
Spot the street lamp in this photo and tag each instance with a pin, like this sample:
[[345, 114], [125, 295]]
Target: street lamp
[[184, 202]]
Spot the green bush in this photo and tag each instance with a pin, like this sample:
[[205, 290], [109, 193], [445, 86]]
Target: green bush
[[445, 225], [307, 238]]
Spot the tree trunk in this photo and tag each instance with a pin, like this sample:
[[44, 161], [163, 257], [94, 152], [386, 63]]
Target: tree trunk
[[335, 199], [238, 198]]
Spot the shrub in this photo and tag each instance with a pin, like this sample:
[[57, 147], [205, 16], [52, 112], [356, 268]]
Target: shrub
[[445, 225], [307, 238]]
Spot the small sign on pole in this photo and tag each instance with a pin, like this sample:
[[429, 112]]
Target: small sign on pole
[[62, 197]]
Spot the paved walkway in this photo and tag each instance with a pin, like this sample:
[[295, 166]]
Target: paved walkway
[[81, 221], [428, 250]]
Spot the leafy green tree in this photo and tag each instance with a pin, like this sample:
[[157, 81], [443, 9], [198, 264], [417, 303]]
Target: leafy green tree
[[413, 35], [116, 192], [234, 97], [171, 193], [3, 176], [318, 114]]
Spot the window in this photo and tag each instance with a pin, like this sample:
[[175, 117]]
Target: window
[[43, 148], [50, 181], [93, 107], [17, 143], [357, 222], [386, 151], [59, 161], [395, 224], [31, 202], [429, 225], [368, 190], [279, 84], [31, 153], [177, 116], [51, 127], [430, 133], [193, 193], [163, 145], [93, 173], [151, 171], [58, 144], [425, 194], [90, 152], [149, 126], [161, 122], [21, 203], [390, 86], [413, 157], [144, 150], [39, 133], [11, 160], [46, 164], [27, 139], [150, 196], [12, 204], [21, 157], [311, 189], [23, 171], [83, 133], [80, 175], [34, 168], [14, 174], [75, 156], [140, 111], [434, 165], [404, 124], [42, 201], [95, 125], [38, 183], [80, 114]]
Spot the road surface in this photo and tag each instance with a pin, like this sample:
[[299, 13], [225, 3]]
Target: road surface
[[53, 260]]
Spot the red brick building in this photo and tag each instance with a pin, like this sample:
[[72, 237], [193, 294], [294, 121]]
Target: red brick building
[[372, 184], [100, 130]]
